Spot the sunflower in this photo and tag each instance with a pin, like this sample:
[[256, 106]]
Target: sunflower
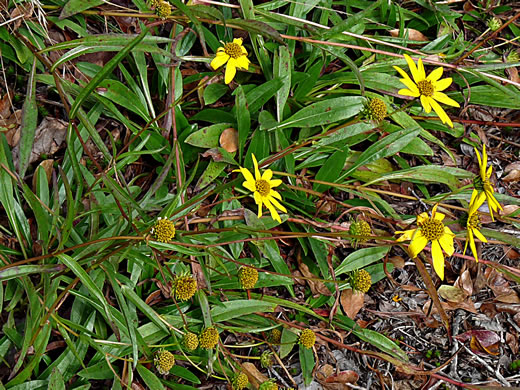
[[430, 229], [428, 89], [473, 224], [262, 187], [235, 55], [483, 186]]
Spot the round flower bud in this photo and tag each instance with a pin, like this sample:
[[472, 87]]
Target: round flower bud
[[494, 23], [184, 287], [163, 230], [307, 338], [275, 337], [266, 359], [361, 280], [190, 341], [240, 381], [163, 9], [208, 338], [375, 110], [513, 57], [361, 229], [164, 361], [268, 385], [247, 277]]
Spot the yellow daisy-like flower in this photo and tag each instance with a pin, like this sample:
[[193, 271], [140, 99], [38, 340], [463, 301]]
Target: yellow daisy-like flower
[[235, 55], [163, 230], [428, 89], [473, 224], [262, 187], [164, 361], [483, 186], [430, 229], [307, 338]]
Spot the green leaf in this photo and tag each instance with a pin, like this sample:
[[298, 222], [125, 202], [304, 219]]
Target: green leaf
[[105, 72], [213, 170], [75, 6], [23, 270], [257, 27], [243, 120], [238, 308], [307, 364], [361, 258], [324, 113], [207, 137], [385, 147], [331, 170], [213, 92], [282, 68], [29, 122], [149, 378]]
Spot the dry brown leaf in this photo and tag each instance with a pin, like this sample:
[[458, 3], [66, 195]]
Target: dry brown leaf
[[500, 287], [46, 165], [229, 140], [465, 283], [397, 261], [256, 378], [413, 34], [21, 12], [317, 287], [331, 381], [512, 342], [509, 209], [513, 172], [352, 302], [512, 74]]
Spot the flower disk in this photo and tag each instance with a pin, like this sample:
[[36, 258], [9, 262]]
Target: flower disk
[[376, 109], [163, 9], [163, 230], [190, 341], [275, 337], [184, 287], [164, 361], [362, 229], [247, 277], [432, 229], [307, 338], [208, 338], [266, 359], [240, 381], [361, 281]]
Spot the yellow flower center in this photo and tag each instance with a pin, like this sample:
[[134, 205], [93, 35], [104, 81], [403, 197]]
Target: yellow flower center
[[432, 229], [262, 187], [234, 50], [425, 87], [474, 221], [377, 109]]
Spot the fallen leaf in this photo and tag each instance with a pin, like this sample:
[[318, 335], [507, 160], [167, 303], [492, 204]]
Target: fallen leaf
[[465, 283], [451, 293], [397, 261], [412, 34], [512, 342], [481, 341], [317, 287], [352, 302], [229, 140], [500, 287], [256, 378], [20, 13], [335, 381]]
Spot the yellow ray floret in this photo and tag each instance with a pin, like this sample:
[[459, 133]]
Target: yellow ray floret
[[427, 89], [262, 188], [473, 224], [430, 229], [483, 186], [234, 55]]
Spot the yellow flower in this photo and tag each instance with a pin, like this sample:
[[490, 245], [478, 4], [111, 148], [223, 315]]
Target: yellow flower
[[236, 57], [262, 187], [430, 229], [190, 341], [163, 230], [428, 89], [483, 186], [473, 224], [361, 280], [247, 277], [307, 338], [184, 287], [208, 338]]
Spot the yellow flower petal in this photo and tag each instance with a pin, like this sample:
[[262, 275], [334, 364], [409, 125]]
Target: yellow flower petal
[[407, 235], [275, 183], [274, 213], [425, 101], [410, 84], [424, 216], [441, 85], [443, 98], [420, 70], [238, 41], [472, 245], [435, 75], [402, 73], [231, 70], [407, 92], [257, 172], [446, 241], [248, 176], [479, 235], [413, 68], [277, 204], [220, 59], [250, 186], [438, 259], [243, 62], [441, 113], [267, 175], [484, 158], [417, 244]]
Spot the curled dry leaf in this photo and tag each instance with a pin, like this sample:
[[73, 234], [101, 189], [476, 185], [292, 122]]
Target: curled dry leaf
[[335, 381], [500, 287], [481, 341], [352, 302], [229, 140], [256, 378], [412, 34], [317, 287], [452, 293], [21, 12], [513, 172]]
